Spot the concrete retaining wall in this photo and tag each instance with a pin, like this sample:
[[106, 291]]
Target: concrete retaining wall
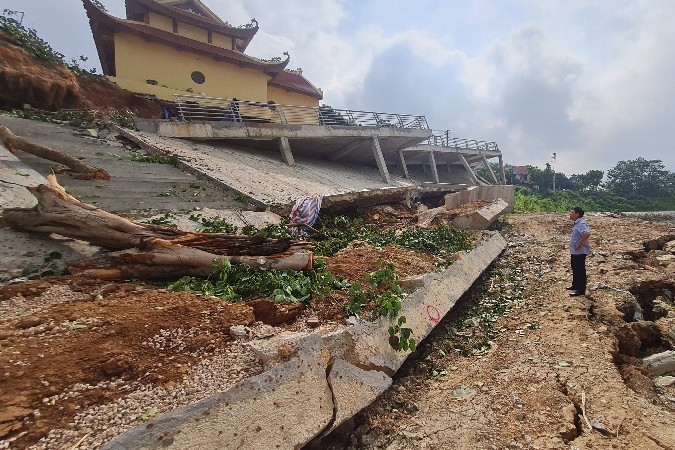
[[330, 377], [484, 192]]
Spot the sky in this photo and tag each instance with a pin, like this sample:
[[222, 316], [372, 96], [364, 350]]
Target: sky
[[591, 81]]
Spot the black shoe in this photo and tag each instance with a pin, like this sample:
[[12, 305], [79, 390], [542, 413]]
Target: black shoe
[[576, 294], [571, 288]]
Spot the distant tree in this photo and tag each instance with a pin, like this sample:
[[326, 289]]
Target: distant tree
[[542, 178], [563, 183], [587, 182], [642, 177]]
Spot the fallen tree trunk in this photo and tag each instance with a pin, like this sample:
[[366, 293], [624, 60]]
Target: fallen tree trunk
[[149, 251], [84, 170]]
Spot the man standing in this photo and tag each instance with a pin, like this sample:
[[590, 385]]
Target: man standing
[[578, 250]]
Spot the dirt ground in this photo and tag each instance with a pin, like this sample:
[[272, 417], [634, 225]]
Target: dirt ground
[[81, 360], [557, 371], [70, 346]]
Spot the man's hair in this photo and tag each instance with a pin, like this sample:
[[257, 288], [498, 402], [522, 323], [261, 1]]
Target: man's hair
[[579, 211]]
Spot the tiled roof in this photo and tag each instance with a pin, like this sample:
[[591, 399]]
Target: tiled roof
[[101, 21], [295, 82], [520, 170]]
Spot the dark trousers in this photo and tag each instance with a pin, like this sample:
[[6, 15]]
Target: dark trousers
[[579, 272]]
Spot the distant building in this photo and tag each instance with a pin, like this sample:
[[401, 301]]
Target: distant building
[[167, 47], [520, 175]]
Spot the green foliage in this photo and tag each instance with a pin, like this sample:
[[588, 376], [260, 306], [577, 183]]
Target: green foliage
[[214, 224], [400, 337], [641, 177], [235, 282], [279, 231], [389, 303], [385, 274], [588, 182], [34, 45], [166, 220], [157, 159], [440, 240], [357, 300], [527, 200]]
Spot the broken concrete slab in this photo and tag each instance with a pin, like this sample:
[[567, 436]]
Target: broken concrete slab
[[424, 308], [482, 218], [259, 174], [284, 407], [295, 400], [354, 388]]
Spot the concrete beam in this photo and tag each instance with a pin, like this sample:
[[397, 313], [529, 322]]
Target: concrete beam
[[403, 164], [501, 168], [329, 377], [344, 151], [285, 148], [468, 169], [492, 174], [482, 218], [379, 160], [434, 169]]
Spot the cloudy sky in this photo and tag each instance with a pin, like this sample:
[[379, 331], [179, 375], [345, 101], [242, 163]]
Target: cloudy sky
[[592, 81]]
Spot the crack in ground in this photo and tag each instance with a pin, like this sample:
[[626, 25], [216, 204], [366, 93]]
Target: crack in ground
[[562, 386]]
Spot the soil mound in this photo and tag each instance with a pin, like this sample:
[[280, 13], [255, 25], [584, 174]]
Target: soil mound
[[26, 80]]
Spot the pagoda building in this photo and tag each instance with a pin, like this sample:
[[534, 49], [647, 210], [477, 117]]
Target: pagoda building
[[167, 47]]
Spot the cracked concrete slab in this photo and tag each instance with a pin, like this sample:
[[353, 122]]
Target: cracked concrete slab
[[482, 218], [261, 175], [315, 381], [283, 407]]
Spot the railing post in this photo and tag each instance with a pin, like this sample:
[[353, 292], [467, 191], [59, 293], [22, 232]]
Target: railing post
[[400, 120]]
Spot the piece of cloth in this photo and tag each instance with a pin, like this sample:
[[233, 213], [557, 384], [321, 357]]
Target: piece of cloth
[[578, 263], [305, 211], [578, 230]]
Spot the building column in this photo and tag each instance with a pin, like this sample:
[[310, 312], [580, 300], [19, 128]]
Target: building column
[[434, 169], [379, 159], [403, 164], [468, 169], [492, 174], [285, 148], [501, 167]]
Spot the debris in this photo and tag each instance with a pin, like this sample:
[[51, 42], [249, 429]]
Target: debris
[[313, 322], [240, 331], [664, 381], [660, 363]]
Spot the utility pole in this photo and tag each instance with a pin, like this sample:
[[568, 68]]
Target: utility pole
[[553, 171]]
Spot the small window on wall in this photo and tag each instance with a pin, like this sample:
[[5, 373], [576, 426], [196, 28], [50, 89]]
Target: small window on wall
[[198, 77]]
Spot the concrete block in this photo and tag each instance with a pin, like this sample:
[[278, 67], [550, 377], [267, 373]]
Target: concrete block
[[279, 347], [493, 192], [423, 309], [482, 218], [285, 407], [354, 389]]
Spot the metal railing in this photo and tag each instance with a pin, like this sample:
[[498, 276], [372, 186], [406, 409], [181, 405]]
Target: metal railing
[[448, 138], [199, 108]]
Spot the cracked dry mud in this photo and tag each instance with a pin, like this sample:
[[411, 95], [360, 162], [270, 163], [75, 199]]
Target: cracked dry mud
[[557, 364]]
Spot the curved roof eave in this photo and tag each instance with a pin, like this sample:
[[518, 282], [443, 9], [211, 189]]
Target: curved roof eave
[[244, 34], [98, 18]]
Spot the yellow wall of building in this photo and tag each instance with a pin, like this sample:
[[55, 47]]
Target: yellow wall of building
[[221, 40], [161, 22], [283, 97], [138, 60], [192, 32], [291, 115]]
